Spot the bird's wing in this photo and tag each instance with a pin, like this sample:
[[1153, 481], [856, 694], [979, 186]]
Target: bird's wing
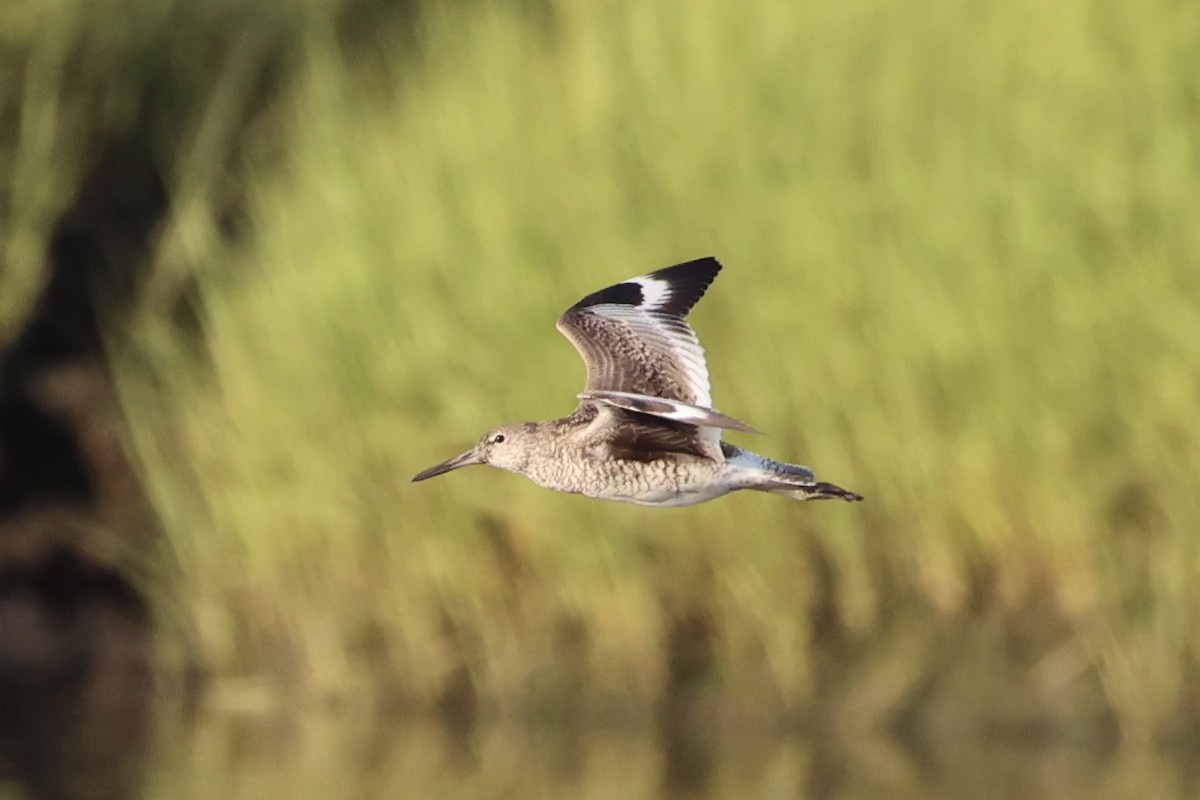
[[633, 336], [615, 433], [662, 408]]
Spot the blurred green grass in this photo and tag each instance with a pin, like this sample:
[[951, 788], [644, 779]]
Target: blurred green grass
[[961, 276]]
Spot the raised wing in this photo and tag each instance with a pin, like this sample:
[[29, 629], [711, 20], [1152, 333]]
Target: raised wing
[[634, 338]]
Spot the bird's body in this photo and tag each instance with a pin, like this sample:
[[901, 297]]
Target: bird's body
[[644, 431]]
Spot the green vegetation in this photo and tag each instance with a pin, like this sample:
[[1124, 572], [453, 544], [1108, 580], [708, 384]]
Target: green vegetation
[[962, 270]]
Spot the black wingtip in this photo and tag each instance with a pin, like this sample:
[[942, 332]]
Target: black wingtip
[[705, 269], [687, 281]]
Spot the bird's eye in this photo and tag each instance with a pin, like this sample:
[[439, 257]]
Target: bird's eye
[[498, 438]]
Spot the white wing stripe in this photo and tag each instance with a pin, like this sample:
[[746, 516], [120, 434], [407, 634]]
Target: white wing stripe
[[656, 293]]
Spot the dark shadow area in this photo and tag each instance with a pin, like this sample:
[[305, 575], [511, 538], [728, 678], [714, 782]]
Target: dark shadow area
[[687, 723], [76, 678], [81, 550], [76, 656]]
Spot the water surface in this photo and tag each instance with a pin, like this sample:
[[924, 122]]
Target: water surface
[[320, 755]]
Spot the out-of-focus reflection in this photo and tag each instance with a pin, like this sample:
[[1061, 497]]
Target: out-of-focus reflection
[[75, 675], [318, 756]]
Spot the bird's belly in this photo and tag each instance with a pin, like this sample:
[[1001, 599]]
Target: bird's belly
[[662, 483], [662, 494], [681, 498]]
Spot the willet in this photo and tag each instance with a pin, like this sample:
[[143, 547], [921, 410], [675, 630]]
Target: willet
[[644, 431]]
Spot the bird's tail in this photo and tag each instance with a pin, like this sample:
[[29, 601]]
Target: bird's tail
[[818, 491], [789, 480]]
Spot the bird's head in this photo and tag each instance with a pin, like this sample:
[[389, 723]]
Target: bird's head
[[505, 447]]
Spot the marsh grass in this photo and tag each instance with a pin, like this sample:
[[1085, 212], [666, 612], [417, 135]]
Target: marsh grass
[[962, 270]]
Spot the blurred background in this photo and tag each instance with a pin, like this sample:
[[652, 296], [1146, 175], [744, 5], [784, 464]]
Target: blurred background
[[262, 262]]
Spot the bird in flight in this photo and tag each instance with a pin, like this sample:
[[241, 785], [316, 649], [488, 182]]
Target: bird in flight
[[644, 431]]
